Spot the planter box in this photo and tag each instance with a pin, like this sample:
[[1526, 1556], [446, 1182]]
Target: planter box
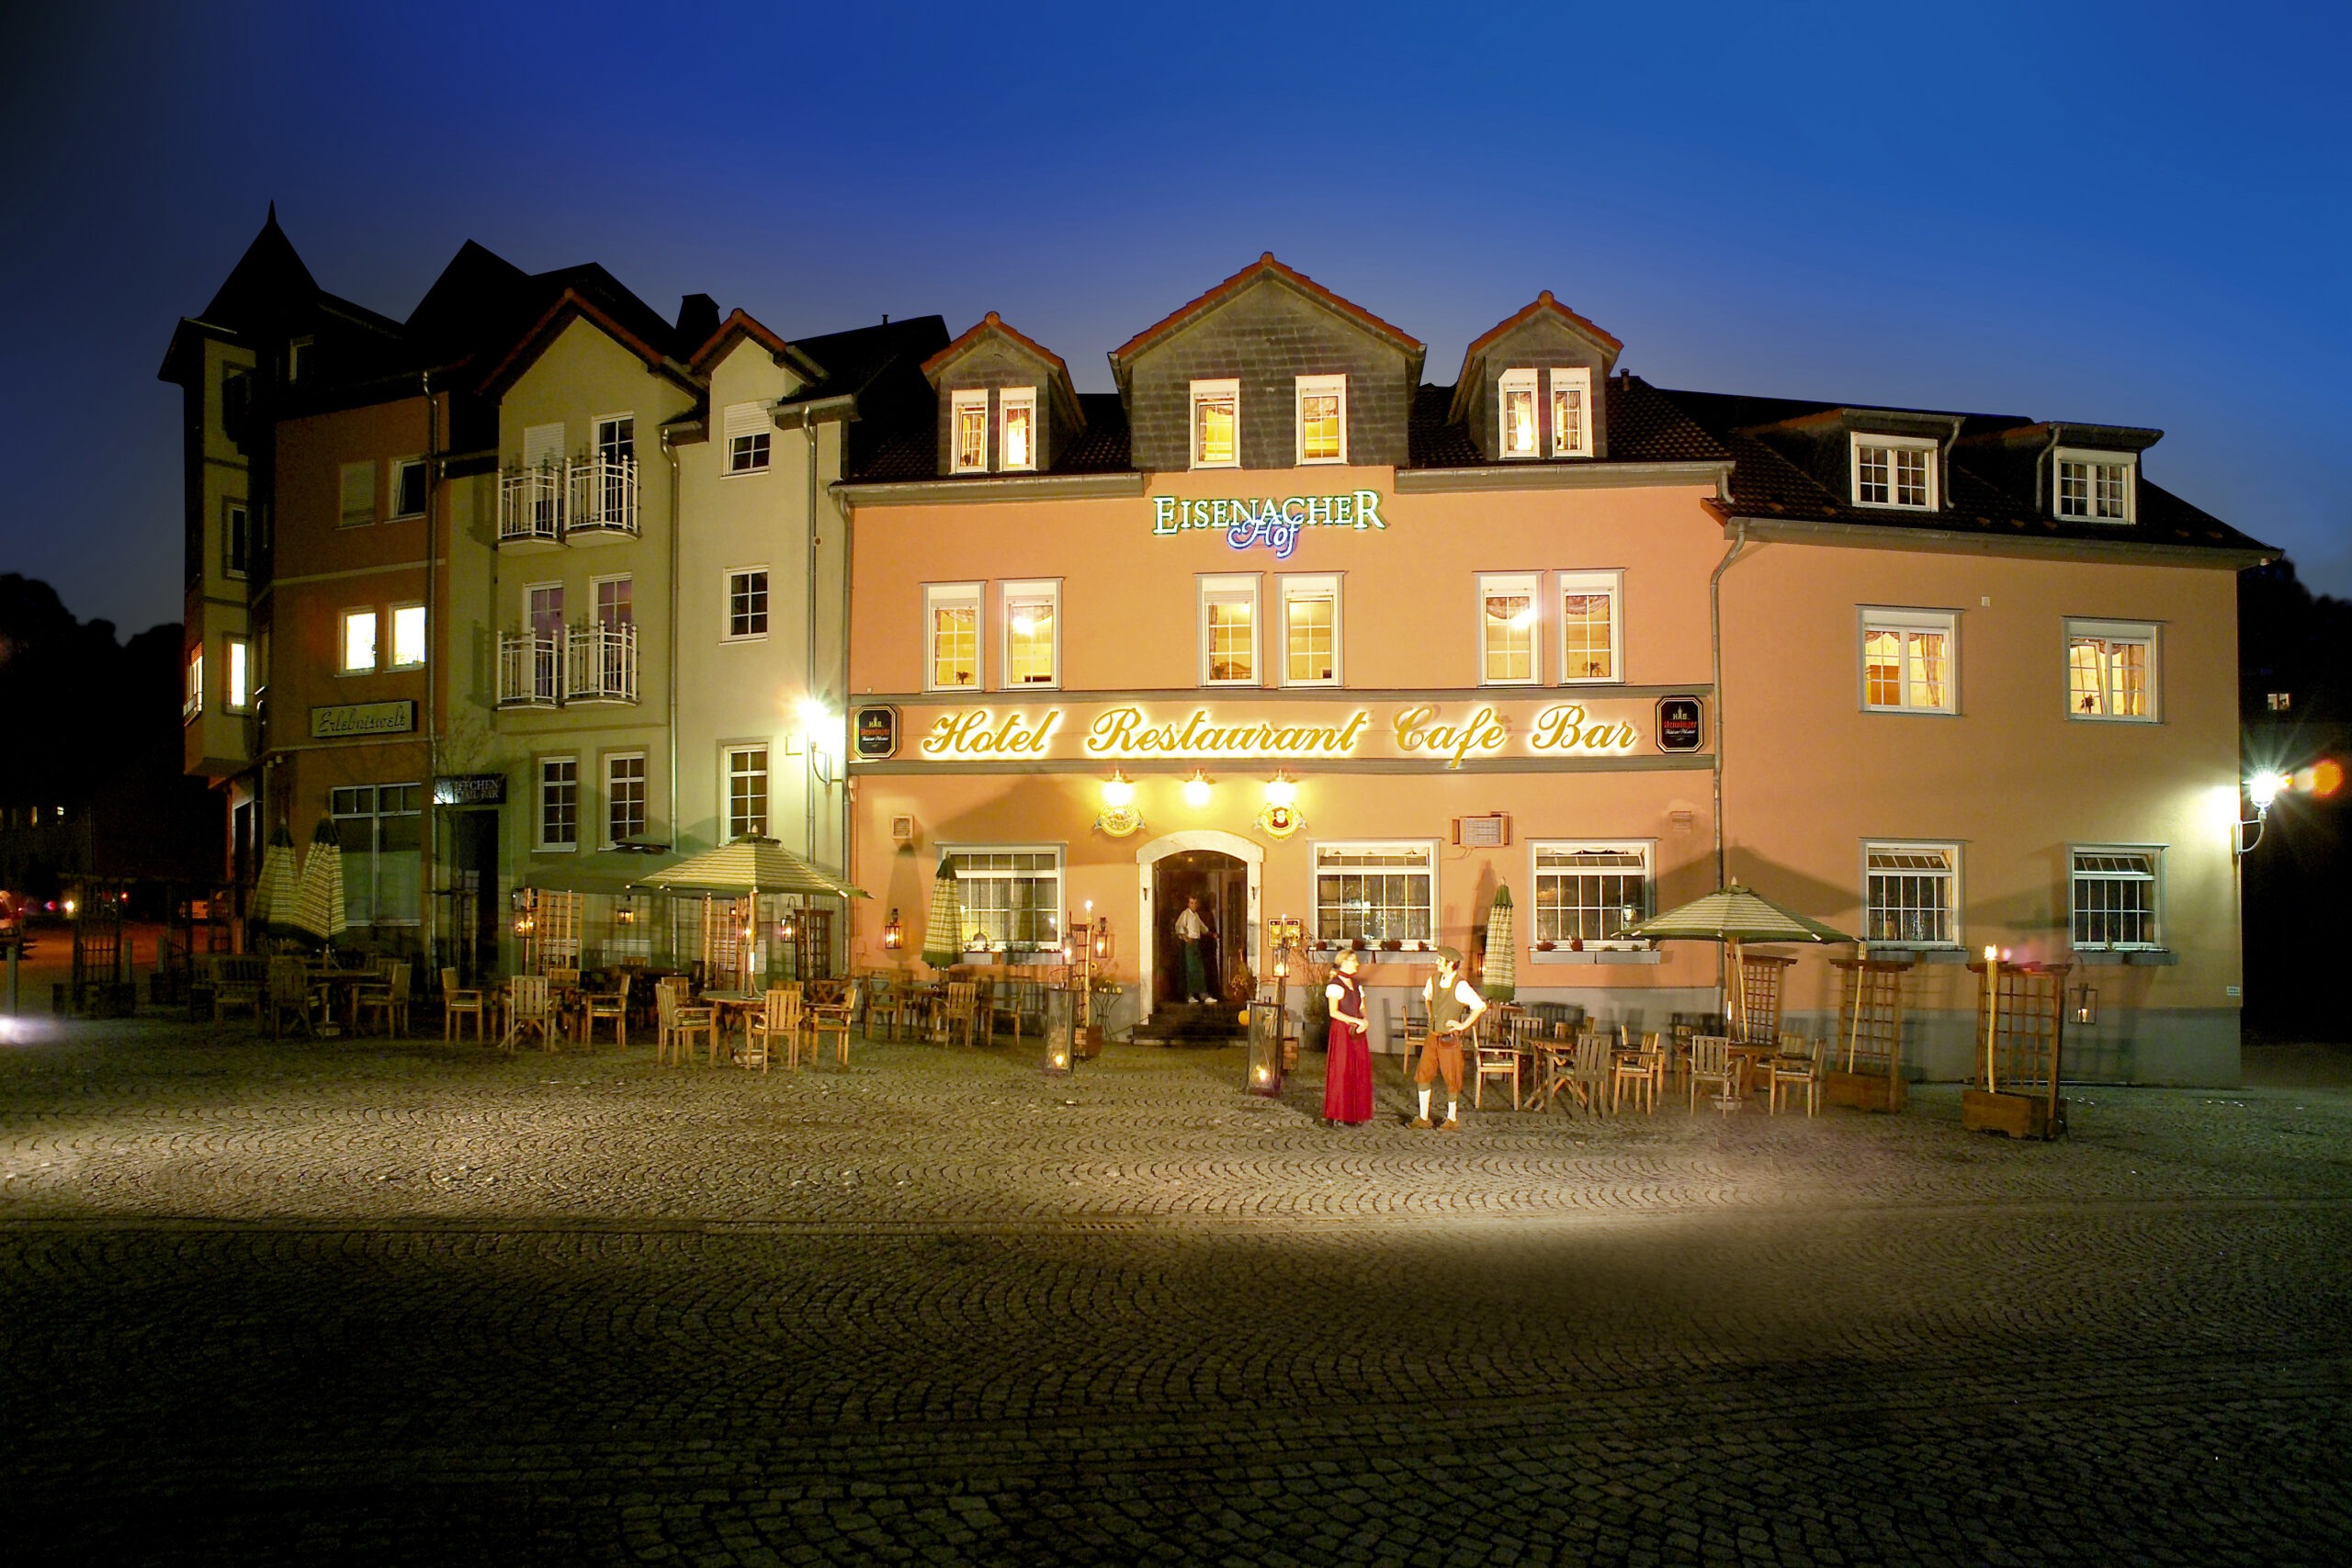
[[2019, 1115], [1864, 1091]]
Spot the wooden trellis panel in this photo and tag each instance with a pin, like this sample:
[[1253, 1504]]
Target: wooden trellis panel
[[1760, 985], [1866, 1058], [2020, 1039], [554, 939]]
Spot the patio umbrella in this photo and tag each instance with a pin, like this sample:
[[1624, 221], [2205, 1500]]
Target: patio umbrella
[[750, 865], [1735, 916], [318, 899], [275, 893], [1500, 983], [942, 934]]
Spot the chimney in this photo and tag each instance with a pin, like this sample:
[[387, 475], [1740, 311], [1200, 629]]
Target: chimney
[[697, 319]]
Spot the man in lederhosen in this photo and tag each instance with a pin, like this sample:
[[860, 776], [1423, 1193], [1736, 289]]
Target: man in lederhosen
[[1453, 1005]]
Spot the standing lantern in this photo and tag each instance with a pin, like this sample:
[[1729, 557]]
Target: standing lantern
[[1061, 1031], [1265, 1050]]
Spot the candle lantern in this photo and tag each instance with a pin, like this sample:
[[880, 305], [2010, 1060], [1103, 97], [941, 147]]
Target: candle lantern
[[894, 935], [1265, 1050], [1061, 1031], [2086, 1005]]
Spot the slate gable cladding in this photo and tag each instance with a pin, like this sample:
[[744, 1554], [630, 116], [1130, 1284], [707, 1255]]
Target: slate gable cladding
[[993, 364], [1539, 340]]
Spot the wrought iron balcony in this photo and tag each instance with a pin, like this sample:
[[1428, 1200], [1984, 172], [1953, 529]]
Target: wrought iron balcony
[[530, 669], [604, 496], [554, 500], [530, 503], [602, 665]]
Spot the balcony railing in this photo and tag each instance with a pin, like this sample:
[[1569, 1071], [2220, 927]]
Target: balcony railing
[[553, 501], [529, 669], [530, 503], [602, 666], [604, 496]]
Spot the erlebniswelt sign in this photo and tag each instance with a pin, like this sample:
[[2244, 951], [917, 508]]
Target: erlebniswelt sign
[[1247, 521]]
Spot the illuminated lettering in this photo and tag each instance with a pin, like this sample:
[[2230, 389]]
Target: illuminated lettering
[[1482, 731], [1563, 727], [1367, 509], [1163, 514], [979, 733]]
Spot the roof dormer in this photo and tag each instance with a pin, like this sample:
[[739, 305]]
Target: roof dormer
[[1531, 386], [1006, 405], [2079, 473], [1889, 460]]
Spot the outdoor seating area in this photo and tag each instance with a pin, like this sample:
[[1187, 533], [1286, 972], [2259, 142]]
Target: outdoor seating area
[[1575, 1064]]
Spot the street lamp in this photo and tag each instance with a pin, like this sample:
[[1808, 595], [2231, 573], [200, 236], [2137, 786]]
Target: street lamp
[[2260, 791]]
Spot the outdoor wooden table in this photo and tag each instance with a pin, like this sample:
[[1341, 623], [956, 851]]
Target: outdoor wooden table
[[1753, 1059], [342, 990], [741, 1004]]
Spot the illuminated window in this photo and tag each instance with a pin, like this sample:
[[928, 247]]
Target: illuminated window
[[2114, 898], [952, 636], [2094, 487], [192, 691], [1588, 892], [747, 792], [1515, 406], [408, 487], [1571, 429], [1322, 419], [1032, 634], [358, 641], [1588, 626], [1506, 621], [1910, 892], [747, 602], [624, 797], [1016, 443], [969, 418], [1216, 425], [1907, 660], [408, 635], [2111, 670], [1229, 631], [240, 675], [358, 494], [1895, 470], [558, 803], [746, 429], [1310, 631], [1011, 894], [1375, 892]]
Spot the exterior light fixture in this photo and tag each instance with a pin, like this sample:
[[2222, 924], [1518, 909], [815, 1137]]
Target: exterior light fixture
[[1120, 818], [1280, 818], [894, 935], [1281, 790], [1196, 790], [1992, 955], [2086, 1005], [2261, 791]]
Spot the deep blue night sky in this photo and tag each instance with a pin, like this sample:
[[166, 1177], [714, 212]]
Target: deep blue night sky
[[2125, 213]]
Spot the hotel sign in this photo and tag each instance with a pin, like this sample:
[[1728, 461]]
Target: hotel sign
[[1679, 725], [877, 733], [363, 718], [1273, 521]]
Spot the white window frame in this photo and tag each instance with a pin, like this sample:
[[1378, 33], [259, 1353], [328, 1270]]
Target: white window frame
[[970, 401], [344, 666], [1050, 909], [299, 352], [1611, 582], [423, 634], [596, 604], [237, 670], [1304, 387], [728, 774], [1530, 584], [1857, 440], [937, 596], [1042, 591], [192, 687], [539, 800], [1950, 849], [644, 781], [1522, 379], [2153, 878], [755, 426], [346, 516], [236, 527], [1206, 391], [1323, 936], [727, 581], [367, 811], [1292, 590], [401, 465], [1646, 848], [1902, 623], [1008, 398], [2147, 633], [2129, 462], [1577, 378], [1231, 588]]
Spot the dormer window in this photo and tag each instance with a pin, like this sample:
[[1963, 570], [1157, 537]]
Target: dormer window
[[1895, 471], [970, 431], [1322, 419], [2094, 487], [1571, 429], [1515, 400], [1216, 425], [1016, 445]]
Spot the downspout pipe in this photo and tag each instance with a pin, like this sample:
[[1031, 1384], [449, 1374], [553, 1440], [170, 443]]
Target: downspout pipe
[[432, 666], [677, 524], [808, 742], [1715, 650]]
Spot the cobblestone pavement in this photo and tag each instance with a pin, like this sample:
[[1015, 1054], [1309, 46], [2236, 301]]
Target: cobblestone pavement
[[423, 1304]]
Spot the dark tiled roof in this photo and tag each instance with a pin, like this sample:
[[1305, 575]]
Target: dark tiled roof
[[1644, 426], [908, 450]]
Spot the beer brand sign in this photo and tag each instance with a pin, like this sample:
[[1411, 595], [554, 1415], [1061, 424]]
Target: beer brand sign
[[1273, 521]]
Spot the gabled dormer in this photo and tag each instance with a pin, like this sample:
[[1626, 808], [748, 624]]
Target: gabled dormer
[[1006, 405], [1530, 386], [1892, 460], [1269, 369], [2077, 473]]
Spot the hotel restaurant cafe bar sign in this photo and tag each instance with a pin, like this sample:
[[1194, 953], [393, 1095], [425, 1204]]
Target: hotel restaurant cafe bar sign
[[1556, 730]]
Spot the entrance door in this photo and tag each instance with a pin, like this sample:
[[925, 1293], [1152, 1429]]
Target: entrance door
[[473, 923], [1221, 882]]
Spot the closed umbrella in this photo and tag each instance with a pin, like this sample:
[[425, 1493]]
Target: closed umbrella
[[1501, 982], [275, 894], [318, 900], [942, 934], [1735, 916]]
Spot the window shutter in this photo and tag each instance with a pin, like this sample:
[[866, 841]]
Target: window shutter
[[542, 445], [745, 419], [359, 492]]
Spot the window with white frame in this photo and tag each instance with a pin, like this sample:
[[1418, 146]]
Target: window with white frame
[[1032, 634], [624, 796], [2095, 487], [951, 615], [236, 537], [968, 431], [1895, 470], [358, 494], [192, 687], [558, 803], [2114, 898], [1588, 892], [1590, 630], [240, 692], [380, 830], [408, 487], [301, 353], [1016, 428], [1229, 631], [746, 430], [747, 792], [1216, 425], [1379, 891], [1310, 631], [1571, 412], [615, 601], [1011, 894], [747, 603], [1322, 419], [1517, 436], [359, 642], [2111, 670], [1911, 894], [408, 635], [1508, 616], [1908, 660]]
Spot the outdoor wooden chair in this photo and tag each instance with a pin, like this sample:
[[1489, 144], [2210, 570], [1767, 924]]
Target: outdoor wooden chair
[[678, 1018], [778, 1022], [959, 1012], [1798, 1064], [388, 996], [459, 1001], [292, 994], [530, 1010], [1713, 1063], [1495, 1055], [1417, 1034], [833, 1018], [612, 1005], [239, 985], [886, 1007], [1636, 1070]]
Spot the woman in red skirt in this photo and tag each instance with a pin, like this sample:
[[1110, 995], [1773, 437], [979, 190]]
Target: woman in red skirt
[[1347, 1075]]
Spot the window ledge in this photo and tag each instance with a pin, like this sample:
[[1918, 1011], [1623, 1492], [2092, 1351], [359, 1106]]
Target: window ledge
[[1920, 954], [1597, 956], [2147, 957]]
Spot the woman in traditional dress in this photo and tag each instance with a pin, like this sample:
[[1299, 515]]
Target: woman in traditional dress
[[1347, 1077]]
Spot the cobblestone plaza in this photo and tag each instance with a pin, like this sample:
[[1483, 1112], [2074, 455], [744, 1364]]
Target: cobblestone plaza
[[371, 1302]]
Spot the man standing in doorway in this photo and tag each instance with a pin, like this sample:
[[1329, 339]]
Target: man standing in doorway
[[1453, 1005], [1192, 932]]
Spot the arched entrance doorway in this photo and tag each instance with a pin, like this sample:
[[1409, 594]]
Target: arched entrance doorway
[[1221, 869]]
